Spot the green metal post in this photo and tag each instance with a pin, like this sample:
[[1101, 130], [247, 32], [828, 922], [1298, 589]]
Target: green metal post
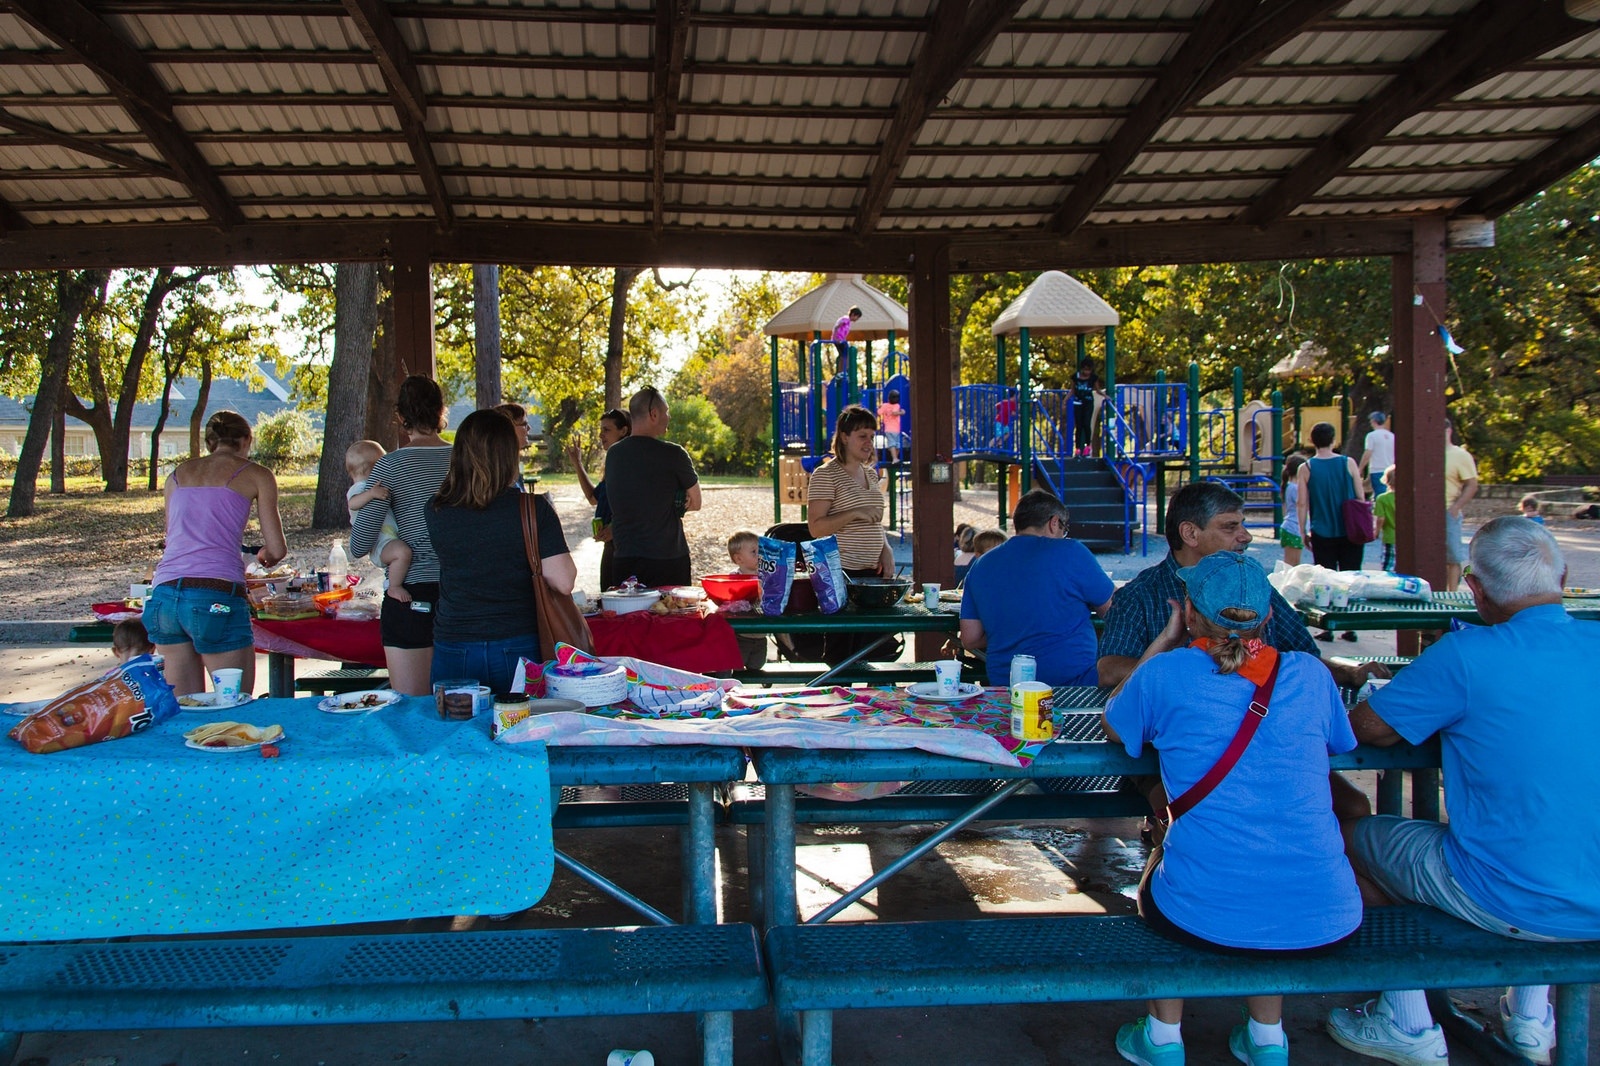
[[1003, 477], [819, 393], [1111, 382], [1194, 421], [777, 438], [1083, 349], [1277, 453], [868, 360], [1161, 466], [889, 360], [852, 390], [1025, 417], [1236, 431]]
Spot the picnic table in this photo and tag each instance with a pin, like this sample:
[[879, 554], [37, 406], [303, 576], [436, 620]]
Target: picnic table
[[1437, 614]]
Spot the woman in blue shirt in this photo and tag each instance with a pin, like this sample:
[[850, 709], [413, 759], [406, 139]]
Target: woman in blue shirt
[[1266, 831]]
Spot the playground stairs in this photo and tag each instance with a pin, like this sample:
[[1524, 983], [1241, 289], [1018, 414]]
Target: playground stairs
[[1093, 495]]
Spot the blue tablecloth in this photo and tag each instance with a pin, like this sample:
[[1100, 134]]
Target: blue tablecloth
[[368, 817]]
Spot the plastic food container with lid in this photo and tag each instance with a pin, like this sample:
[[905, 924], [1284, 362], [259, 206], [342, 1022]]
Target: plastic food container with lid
[[628, 602]]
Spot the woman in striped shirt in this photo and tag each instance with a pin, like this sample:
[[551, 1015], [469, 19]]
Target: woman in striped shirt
[[411, 475], [844, 499]]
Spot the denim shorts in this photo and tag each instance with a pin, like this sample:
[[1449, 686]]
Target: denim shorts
[[1455, 547], [1405, 858], [214, 622], [489, 662]]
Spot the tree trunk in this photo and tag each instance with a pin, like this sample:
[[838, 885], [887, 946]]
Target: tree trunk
[[58, 453], [168, 373], [486, 333], [383, 377], [197, 414], [122, 418], [72, 294], [355, 319], [621, 281]]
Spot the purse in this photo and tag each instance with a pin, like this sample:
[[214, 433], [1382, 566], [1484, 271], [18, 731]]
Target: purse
[[1253, 715], [560, 621], [1359, 525]]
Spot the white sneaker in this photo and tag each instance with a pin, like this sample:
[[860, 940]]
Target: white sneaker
[[1370, 1029], [1532, 1038]]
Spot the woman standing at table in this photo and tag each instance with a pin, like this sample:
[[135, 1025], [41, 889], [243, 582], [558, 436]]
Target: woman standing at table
[[1255, 863], [844, 500], [614, 425], [412, 475], [487, 617], [197, 613]]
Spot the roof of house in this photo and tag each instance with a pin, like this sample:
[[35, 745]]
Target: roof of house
[[227, 394], [789, 134]]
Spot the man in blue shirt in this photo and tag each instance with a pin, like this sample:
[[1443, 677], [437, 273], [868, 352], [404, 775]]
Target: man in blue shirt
[[1033, 596], [1513, 703]]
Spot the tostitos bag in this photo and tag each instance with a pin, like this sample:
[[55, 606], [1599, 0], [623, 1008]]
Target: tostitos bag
[[132, 697], [775, 569], [827, 573]]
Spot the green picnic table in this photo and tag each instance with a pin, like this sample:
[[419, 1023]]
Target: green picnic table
[[1387, 614]]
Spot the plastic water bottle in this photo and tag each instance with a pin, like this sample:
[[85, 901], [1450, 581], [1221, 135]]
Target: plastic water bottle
[[338, 565], [1023, 668]]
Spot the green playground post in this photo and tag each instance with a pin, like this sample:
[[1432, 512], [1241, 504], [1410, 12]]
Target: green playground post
[[1194, 421], [1161, 464], [1277, 454], [852, 390], [868, 361], [819, 396], [1003, 476], [1238, 405], [889, 359], [1106, 424], [1023, 434], [777, 438]]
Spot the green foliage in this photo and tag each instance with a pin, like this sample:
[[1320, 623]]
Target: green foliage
[[697, 428], [284, 440]]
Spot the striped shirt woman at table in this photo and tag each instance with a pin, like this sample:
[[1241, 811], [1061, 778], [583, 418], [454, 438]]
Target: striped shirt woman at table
[[412, 475]]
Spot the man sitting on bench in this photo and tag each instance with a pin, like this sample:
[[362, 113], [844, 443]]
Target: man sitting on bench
[[1513, 704]]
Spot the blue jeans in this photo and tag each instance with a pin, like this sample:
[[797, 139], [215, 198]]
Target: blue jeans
[[1377, 484], [213, 622], [489, 662]]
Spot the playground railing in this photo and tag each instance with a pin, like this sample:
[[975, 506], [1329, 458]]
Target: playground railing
[[1216, 441], [977, 432], [1153, 420], [1133, 476], [1052, 424], [794, 414]]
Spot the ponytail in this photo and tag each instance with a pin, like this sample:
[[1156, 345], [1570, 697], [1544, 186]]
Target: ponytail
[[1225, 646]]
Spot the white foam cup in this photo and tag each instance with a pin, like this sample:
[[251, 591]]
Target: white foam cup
[[930, 593], [948, 671], [226, 682]]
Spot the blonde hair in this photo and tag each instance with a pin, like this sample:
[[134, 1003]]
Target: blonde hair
[[362, 453], [483, 462], [742, 539], [1227, 645], [226, 427], [988, 540]]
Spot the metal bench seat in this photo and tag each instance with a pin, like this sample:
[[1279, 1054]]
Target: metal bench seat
[[315, 980], [344, 679], [817, 969]]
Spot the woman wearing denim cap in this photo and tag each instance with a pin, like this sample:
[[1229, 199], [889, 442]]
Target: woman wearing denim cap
[[1266, 831]]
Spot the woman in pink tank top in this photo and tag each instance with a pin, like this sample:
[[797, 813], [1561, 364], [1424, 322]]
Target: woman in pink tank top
[[197, 613]]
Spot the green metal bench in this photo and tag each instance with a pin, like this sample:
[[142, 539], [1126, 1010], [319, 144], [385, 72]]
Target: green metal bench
[[817, 969], [192, 983], [344, 679], [90, 633]]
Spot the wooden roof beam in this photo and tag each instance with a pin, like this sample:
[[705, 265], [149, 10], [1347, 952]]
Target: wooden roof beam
[[80, 33], [672, 41], [11, 219], [959, 32], [1561, 158], [1491, 37], [377, 27], [86, 146], [1223, 43]]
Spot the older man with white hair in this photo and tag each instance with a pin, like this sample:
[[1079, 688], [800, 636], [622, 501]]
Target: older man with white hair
[[1514, 705]]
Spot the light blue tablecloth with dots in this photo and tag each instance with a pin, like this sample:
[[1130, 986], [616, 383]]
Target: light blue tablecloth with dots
[[384, 815]]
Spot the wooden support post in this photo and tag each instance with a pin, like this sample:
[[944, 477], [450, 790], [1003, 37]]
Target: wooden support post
[[413, 305], [932, 505], [1417, 352]]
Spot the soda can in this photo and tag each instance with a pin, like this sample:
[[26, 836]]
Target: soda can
[[1023, 668], [1031, 711]]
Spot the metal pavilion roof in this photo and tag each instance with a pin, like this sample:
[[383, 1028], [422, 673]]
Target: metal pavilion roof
[[820, 134]]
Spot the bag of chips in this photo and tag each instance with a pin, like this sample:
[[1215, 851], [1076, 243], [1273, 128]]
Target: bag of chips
[[132, 697], [827, 573], [775, 568]]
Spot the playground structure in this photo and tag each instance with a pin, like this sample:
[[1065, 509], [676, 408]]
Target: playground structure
[[1138, 433]]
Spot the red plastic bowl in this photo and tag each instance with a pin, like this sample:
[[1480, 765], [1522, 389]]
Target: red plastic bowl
[[731, 588]]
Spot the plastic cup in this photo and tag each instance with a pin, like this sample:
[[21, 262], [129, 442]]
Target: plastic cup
[[948, 671], [226, 682], [1324, 595], [930, 594], [619, 1057], [1341, 598]]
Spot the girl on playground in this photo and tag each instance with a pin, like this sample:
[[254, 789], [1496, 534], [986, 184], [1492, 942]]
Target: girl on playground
[[1289, 532]]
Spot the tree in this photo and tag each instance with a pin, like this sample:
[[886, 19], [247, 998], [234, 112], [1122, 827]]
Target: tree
[[355, 321], [486, 333], [73, 291], [697, 428]]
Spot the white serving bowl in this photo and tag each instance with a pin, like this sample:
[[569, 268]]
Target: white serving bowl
[[628, 602]]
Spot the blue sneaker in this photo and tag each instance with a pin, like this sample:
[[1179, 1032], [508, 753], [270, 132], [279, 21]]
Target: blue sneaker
[[1133, 1044], [1250, 1053]]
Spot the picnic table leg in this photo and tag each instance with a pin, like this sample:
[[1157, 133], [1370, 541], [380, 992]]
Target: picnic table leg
[[861, 653], [280, 675], [1425, 794], [782, 908], [9, 1043], [1391, 791], [816, 1048], [716, 1038], [700, 857], [1572, 1025]]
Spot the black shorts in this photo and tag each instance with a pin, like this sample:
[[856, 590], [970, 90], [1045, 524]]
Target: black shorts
[[401, 625], [1160, 923]]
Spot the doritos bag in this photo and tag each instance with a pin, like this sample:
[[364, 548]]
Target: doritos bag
[[132, 697], [775, 568], [827, 573]]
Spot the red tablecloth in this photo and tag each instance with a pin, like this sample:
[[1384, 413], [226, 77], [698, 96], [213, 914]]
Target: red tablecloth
[[688, 642]]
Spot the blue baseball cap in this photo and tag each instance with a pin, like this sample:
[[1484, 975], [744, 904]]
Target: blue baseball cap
[[1228, 579]]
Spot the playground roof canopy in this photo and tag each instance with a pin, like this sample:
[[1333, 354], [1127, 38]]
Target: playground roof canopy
[[782, 134], [1055, 303], [819, 309]]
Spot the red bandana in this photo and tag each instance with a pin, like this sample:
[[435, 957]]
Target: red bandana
[[1259, 658]]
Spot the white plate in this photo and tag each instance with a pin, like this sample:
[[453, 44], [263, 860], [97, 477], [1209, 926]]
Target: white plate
[[351, 702], [22, 710], [210, 701], [234, 747], [1580, 594], [929, 691]]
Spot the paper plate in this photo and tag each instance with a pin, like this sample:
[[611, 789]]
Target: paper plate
[[201, 702], [929, 691], [358, 702], [23, 709], [1581, 594], [230, 748]]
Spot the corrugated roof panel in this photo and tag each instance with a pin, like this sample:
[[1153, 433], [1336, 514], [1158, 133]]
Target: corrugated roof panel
[[48, 188], [372, 187], [993, 167], [242, 32], [487, 84], [307, 154], [274, 119], [802, 131], [959, 200], [1018, 130], [614, 192], [85, 120], [1136, 215], [115, 216], [1225, 131], [1285, 87], [1356, 46], [1408, 206], [566, 158], [762, 90], [1466, 124], [282, 79], [1397, 187], [800, 167], [552, 123], [64, 79], [1445, 155]]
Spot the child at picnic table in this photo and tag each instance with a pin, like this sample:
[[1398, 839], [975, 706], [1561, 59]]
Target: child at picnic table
[[1266, 830], [1383, 516], [129, 640], [390, 552], [743, 549]]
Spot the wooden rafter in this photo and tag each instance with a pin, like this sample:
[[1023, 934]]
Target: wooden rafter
[[1209, 56], [86, 145], [959, 32], [11, 219], [666, 81], [1516, 185], [378, 29], [80, 33], [1490, 38]]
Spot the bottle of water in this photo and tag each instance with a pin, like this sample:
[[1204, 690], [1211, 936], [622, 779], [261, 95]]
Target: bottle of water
[[1023, 668], [338, 565]]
